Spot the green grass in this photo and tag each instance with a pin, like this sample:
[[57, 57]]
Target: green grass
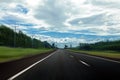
[[7, 54], [110, 54]]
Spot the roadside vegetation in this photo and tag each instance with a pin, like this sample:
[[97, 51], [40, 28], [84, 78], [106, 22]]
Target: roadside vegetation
[[7, 53], [107, 54], [18, 45], [103, 45], [11, 38], [110, 49]]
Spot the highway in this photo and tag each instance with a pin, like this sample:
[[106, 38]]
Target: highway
[[66, 65]]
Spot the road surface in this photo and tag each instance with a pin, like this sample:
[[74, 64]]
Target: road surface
[[66, 65]]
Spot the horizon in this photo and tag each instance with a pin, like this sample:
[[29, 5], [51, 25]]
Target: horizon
[[63, 21]]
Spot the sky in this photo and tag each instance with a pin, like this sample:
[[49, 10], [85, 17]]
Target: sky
[[64, 21]]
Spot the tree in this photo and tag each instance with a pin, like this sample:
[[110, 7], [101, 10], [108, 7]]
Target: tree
[[70, 45], [6, 36], [46, 44], [21, 39], [65, 47], [53, 45]]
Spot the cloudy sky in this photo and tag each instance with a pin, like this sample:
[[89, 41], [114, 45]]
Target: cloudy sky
[[64, 21]]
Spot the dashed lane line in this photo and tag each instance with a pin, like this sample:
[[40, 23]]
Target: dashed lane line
[[71, 56], [84, 63]]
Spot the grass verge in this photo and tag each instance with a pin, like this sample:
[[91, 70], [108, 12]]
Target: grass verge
[[107, 54], [7, 53]]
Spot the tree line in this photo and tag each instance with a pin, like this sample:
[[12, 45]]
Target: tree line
[[11, 38], [103, 45]]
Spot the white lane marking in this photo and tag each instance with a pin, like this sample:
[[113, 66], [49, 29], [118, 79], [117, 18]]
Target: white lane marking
[[110, 60], [71, 56], [21, 72], [84, 63], [103, 58]]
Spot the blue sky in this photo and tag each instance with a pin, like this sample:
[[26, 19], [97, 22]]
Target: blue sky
[[64, 21]]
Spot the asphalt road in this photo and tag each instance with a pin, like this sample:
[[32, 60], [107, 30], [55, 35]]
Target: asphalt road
[[66, 65]]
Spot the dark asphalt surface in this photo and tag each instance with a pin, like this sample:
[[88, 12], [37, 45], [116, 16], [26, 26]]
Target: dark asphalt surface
[[65, 65], [10, 68]]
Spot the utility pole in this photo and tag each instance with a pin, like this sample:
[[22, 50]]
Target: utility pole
[[70, 45], [33, 40], [15, 36]]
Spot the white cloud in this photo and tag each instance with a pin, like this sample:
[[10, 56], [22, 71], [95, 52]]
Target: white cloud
[[93, 17], [106, 3], [60, 42]]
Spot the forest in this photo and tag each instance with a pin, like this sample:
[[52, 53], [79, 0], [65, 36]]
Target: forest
[[103, 45], [11, 38]]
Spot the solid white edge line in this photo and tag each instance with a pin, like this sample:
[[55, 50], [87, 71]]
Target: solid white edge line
[[21, 72], [94, 56], [104, 59], [84, 63]]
